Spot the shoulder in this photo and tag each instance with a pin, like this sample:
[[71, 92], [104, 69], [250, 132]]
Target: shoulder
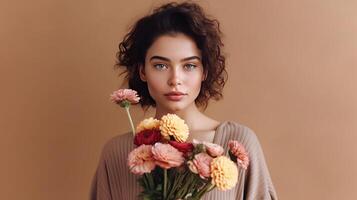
[[247, 137], [233, 130], [238, 130], [118, 146], [257, 181]]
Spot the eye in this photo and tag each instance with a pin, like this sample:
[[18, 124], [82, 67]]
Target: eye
[[160, 66], [190, 66]]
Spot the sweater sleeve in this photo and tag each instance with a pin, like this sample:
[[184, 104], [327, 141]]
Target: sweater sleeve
[[257, 182], [112, 179], [100, 189]]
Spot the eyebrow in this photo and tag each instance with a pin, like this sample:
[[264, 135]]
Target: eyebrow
[[167, 59]]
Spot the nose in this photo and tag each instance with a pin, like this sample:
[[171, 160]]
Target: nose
[[175, 77]]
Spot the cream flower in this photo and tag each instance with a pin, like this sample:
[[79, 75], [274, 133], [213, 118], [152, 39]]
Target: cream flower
[[224, 173], [148, 124], [172, 125]]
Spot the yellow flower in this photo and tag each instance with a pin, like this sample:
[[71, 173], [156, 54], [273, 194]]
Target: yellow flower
[[172, 125], [148, 124], [224, 173]]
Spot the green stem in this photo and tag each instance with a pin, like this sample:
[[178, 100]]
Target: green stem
[[208, 187], [151, 181], [211, 188], [165, 183], [130, 120], [177, 180], [189, 180]]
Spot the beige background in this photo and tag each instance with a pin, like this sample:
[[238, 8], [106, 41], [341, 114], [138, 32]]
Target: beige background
[[292, 78]]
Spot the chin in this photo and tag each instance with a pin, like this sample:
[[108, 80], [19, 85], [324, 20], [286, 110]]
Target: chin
[[175, 106]]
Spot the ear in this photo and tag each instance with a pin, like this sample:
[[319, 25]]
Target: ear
[[142, 73]]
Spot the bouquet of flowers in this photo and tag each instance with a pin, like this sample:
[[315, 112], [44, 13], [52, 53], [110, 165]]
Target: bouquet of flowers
[[173, 169]]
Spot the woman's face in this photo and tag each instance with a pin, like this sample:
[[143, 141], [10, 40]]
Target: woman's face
[[173, 63]]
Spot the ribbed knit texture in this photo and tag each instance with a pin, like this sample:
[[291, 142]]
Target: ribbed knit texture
[[113, 180]]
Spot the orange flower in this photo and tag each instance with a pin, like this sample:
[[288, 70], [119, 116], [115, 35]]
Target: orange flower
[[124, 98], [238, 150], [141, 160], [166, 156], [202, 163], [122, 95]]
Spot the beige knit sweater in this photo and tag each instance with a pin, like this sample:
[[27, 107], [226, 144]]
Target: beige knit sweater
[[113, 181]]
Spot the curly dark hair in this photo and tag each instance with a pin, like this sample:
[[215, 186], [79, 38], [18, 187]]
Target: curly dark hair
[[172, 18]]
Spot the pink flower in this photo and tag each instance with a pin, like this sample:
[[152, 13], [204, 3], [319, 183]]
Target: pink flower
[[213, 150], [202, 163], [124, 95], [141, 160], [166, 156], [239, 151]]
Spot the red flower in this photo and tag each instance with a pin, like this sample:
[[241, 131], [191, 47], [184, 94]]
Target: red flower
[[148, 137], [184, 147]]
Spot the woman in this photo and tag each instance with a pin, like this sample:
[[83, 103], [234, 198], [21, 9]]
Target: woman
[[173, 59]]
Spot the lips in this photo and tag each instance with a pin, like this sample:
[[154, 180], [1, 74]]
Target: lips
[[175, 96], [174, 93]]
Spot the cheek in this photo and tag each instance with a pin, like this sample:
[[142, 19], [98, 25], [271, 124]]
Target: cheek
[[195, 84], [155, 86]]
